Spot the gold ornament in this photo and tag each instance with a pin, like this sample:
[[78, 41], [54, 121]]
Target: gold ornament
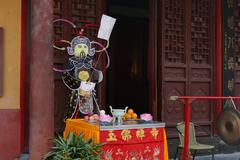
[[154, 133], [83, 75], [156, 152], [111, 136], [119, 152], [126, 135], [84, 93], [140, 133]]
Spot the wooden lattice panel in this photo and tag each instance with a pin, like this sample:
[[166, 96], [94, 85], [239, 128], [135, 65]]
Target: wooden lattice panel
[[57, 15], [200, 45], [174, 31], [85, 11], [201, 77], [188, 59]]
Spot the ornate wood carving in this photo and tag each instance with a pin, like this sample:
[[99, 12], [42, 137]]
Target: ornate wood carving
[[174, 107], [174, 31], [201, 109], [201, 77], [175, 72], [201, 74], [85, 11], [58, 32], [188, 58], [1, 61], [173, 60], [200, 31]]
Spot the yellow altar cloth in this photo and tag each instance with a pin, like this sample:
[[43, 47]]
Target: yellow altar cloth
[[79, 125]]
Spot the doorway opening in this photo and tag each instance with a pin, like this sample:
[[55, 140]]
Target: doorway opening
[[127, 83]]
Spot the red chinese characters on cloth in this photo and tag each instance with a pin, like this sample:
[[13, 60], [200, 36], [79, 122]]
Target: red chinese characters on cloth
[[133, 144]]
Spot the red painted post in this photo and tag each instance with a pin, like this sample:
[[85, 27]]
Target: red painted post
[[186, 129], [41, 109], [219, 57], [23, 76], [204, 97]]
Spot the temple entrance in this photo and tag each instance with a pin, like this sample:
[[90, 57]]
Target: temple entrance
[[127, 83], [157, 49]]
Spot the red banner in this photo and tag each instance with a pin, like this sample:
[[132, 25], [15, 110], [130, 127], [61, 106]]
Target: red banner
[[133, 144]]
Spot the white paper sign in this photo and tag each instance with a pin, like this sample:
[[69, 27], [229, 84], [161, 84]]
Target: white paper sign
[[106, 27], [87, 86]]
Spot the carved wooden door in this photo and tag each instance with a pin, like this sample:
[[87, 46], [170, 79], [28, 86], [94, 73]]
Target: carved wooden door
[[187, 61], [79, 12]]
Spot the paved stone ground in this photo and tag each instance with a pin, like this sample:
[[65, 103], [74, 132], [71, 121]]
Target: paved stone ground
[[232, 156], [222, 150], [24, 157]]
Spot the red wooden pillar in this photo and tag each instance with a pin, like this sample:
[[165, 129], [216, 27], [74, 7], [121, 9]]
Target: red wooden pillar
[[219, 57], [41, 79], [23, 75]]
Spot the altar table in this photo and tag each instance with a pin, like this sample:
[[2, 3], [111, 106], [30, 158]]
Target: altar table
[[130, 141]]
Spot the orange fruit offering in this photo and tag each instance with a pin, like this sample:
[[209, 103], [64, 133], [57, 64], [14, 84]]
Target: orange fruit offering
[[134, 115], [127, 116], [130, 111]]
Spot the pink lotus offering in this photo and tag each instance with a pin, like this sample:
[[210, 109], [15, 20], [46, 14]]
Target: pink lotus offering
[[105, 118], [146, 117]]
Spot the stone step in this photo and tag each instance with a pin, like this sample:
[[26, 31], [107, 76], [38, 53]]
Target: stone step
[[24, 157], [232, 156]]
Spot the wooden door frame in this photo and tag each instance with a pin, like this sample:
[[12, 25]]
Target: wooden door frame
[[102, 95], [153, 60]]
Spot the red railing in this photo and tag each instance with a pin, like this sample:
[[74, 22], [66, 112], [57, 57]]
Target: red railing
[[187, 115]]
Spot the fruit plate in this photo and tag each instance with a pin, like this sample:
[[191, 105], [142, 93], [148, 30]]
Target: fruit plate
[[131, 121], [144, 121], [105, 123]]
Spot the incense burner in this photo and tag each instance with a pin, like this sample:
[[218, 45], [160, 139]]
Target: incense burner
[[118, 114]]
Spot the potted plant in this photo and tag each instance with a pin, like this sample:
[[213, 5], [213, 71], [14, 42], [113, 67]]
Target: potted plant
[[74, 148]]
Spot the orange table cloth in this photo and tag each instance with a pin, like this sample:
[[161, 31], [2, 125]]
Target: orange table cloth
[[146, 143]]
